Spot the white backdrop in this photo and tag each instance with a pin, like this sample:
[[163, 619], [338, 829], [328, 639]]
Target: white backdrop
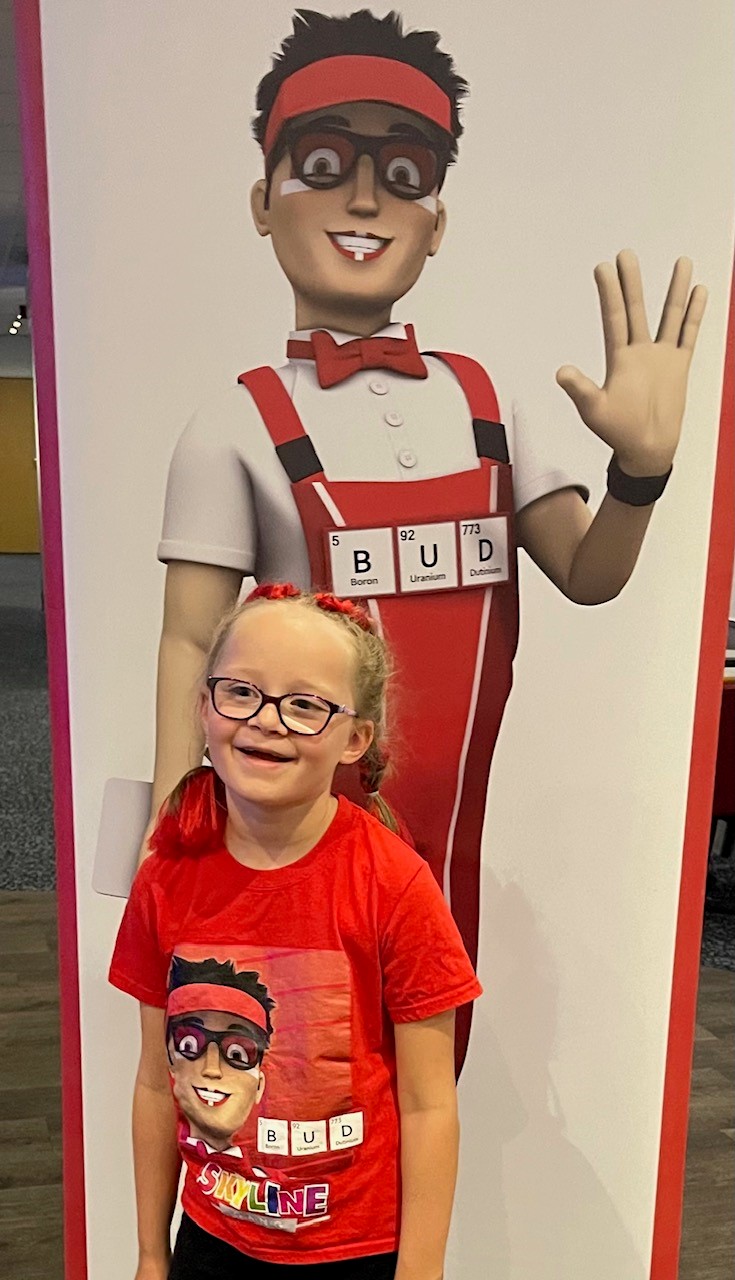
[[588, 129]]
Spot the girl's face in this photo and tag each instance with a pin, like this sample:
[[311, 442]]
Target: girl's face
[[283, 647]]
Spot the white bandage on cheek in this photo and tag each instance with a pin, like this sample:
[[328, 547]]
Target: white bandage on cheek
[[290, 186], [429, 202]]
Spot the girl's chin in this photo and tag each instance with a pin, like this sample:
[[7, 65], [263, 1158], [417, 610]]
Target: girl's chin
[[265, 793]]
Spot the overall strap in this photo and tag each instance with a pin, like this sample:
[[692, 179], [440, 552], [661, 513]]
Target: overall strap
[[296, 453], [480, 394]]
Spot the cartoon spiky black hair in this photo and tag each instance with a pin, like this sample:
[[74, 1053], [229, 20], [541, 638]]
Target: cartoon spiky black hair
[[317, 36], [221, 974]]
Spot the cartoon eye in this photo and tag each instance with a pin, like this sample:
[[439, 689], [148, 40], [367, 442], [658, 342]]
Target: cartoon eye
[[240, 1053], [189, 1046], [323, 162], [403, 172]]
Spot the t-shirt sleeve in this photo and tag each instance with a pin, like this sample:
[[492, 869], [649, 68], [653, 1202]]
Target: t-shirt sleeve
[[139, 965], [535, 470], [426, 969], [209, 513]]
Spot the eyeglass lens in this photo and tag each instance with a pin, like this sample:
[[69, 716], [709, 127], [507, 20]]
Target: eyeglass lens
[[301, 712]]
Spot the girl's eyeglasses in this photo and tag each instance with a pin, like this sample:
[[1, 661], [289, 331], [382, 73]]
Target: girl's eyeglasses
[[304, 713]]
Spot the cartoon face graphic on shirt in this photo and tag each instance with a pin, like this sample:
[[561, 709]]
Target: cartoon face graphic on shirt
[[355, 243], [217, 1035]]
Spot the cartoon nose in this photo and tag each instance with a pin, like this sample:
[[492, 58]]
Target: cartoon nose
[[363, 188], [212, 1065]]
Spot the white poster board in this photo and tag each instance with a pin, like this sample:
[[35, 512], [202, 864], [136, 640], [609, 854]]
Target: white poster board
[[586, 130]]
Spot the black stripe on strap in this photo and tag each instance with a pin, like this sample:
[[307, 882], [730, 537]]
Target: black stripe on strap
[[490, 440], [299, 459]]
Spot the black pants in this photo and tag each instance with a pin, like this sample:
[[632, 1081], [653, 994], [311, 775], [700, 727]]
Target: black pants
[[201, 1256]]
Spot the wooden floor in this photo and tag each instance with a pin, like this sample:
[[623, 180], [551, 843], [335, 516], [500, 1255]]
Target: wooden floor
[[30, 1114], [30, 1092]]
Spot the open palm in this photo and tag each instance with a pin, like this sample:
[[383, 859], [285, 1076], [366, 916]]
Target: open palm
[[639, 409]]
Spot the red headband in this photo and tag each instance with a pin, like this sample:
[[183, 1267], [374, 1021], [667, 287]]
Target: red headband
[[194, 997], [357, 77]]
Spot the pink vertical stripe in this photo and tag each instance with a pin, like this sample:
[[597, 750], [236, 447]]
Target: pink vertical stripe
[[30, 79], [677, 1080]]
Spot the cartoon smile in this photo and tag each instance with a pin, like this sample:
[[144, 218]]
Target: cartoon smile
[[359, 248], [212, 1097]]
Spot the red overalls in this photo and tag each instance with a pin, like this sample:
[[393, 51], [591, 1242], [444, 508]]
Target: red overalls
[[453, 648]]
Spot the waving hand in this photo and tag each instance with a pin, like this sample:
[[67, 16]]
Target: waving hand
[[638, 410]]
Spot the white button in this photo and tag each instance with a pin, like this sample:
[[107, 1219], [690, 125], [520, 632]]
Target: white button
[[407, 458], [378, 387], [394, 419]]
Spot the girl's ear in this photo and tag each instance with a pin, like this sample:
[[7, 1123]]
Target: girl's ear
[[203, 710], [363, 732]]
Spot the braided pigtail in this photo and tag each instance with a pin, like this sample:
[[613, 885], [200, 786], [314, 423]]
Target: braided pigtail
[[373, 767], [192, 819]]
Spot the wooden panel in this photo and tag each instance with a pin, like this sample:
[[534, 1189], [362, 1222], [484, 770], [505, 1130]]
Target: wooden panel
[[19, 527]]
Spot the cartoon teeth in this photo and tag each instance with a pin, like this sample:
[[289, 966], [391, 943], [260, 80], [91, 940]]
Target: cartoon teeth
[[360, 247], [212, 1097]]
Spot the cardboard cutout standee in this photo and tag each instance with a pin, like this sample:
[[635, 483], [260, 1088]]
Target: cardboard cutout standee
[[364, 467], [586, 130]]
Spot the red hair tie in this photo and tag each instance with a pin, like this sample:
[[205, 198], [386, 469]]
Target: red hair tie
[[323, 599], [333, 604], [274, 591]]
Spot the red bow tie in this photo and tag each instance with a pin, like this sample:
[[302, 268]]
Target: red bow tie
[[336, 361]]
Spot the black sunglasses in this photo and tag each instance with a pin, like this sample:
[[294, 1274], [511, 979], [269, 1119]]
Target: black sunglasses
[[237, 1049], [323, 158]]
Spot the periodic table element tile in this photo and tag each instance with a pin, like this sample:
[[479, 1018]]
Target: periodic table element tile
[[484, 551], [427, 556], [273, 1136], [345, 1131], [362, 562], [308, 1136]]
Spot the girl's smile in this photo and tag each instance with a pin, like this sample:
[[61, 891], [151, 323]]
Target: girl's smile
[[267, 768]]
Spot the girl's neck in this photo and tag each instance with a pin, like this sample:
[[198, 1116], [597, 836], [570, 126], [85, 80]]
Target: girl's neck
[[265, 839]]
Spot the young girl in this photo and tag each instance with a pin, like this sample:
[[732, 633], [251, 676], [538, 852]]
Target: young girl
[[298, 971]]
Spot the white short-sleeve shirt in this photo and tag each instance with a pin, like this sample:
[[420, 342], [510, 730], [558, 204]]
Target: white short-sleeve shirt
[[229, 501]]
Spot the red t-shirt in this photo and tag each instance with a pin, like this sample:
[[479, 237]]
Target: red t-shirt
[[281, 989]]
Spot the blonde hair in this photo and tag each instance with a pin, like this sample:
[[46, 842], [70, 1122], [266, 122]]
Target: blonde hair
[[373, 672]]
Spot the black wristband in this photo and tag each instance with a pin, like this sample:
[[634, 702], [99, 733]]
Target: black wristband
[[637, 491]]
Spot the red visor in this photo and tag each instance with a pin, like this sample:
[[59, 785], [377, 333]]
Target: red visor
[[200, 996], [357, 78]]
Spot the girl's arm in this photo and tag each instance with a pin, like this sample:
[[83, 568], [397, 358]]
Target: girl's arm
[[155, 1151], [427, 1101]]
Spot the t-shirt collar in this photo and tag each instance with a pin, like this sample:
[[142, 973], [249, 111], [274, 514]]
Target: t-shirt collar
[[213, 1151]]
